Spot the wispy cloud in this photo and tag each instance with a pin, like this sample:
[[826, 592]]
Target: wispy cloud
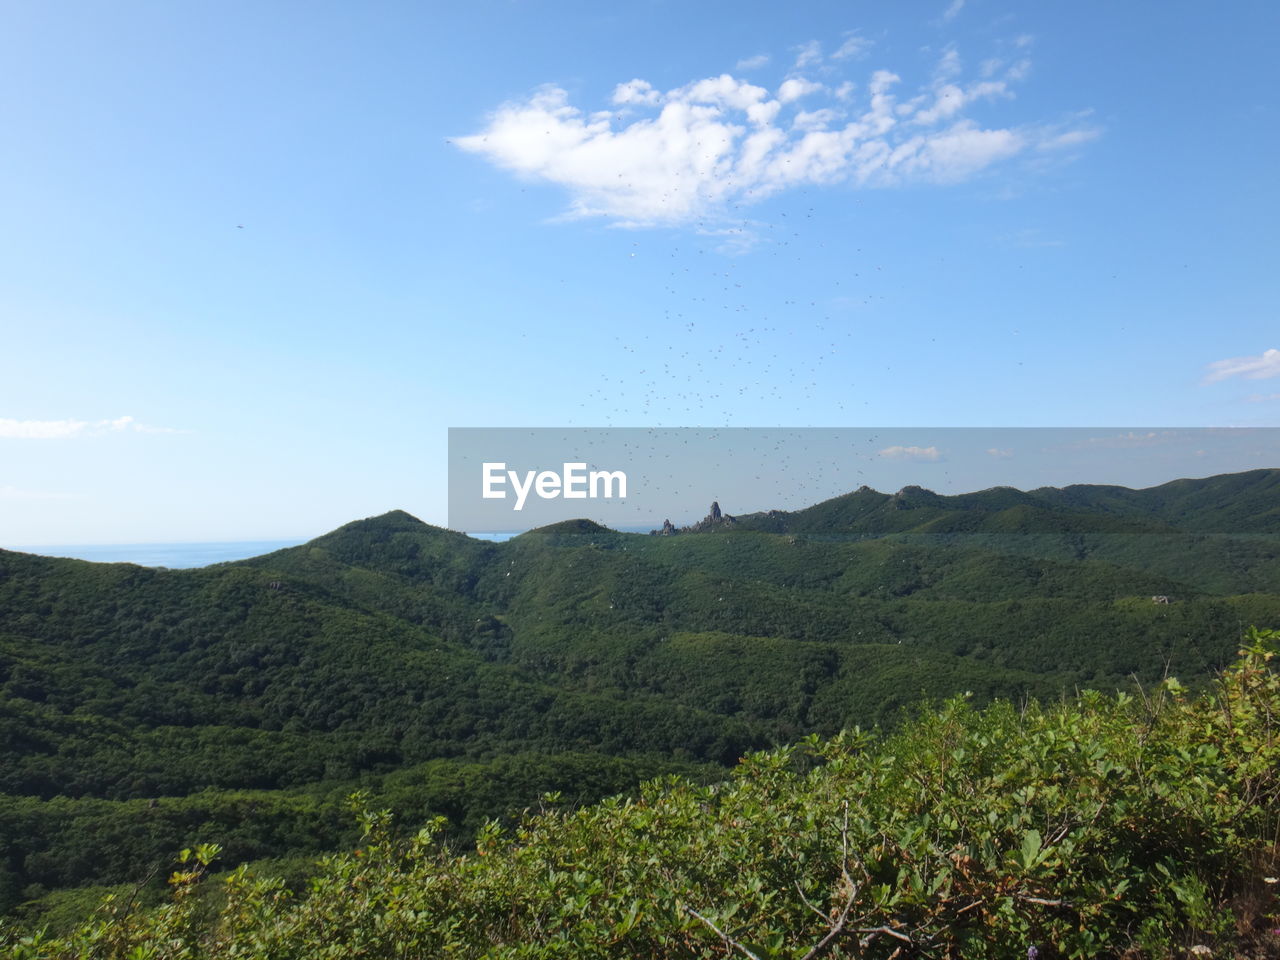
[[68, 429], [924, 454], [1262, 397], [808, 54], [697, 152], [854, 47], [1068, 138], [735, 238], [953, 10], [752, 63], [1250, 368], [999, 454]]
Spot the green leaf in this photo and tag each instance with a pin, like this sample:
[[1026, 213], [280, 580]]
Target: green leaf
[[1031, 842]]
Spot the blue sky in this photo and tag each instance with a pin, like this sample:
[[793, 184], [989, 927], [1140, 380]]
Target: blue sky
[[258, 257]]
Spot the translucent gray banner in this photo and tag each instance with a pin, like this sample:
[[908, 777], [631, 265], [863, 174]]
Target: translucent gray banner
[[509, 479]]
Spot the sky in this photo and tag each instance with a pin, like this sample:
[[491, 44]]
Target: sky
[[257, 258]]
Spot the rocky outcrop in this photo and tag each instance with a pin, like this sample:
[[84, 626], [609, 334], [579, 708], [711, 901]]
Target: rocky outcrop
[[714, 518]]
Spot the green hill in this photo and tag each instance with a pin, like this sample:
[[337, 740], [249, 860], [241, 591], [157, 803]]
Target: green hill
[[1118, 827], [155, 707], [1231, 503]]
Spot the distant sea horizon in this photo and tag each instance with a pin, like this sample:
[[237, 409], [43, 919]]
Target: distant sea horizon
[[187, 555], [175, 556]]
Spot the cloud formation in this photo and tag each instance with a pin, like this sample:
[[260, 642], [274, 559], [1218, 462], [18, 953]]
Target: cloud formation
[[67, 429], [808, 54], [701, 150], [752, 63], [923, 454], [794, 88], [853, 47], [1250, 368]]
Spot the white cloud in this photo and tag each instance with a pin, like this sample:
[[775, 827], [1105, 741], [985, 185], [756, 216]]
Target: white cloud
[[953, 10], [853, 48], [752, 63], [1071, 138], [814, 120], [692, 153], [999, 454], [950, 155], [926, 454], [41, 429], [795, 88], [636, 91], [723, 90], [1262, 397], [1251, 368], [808, 54], [949, 99], [66, 429], [949, 64]]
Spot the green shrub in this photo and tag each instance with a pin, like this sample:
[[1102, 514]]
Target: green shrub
[[1130, 825]]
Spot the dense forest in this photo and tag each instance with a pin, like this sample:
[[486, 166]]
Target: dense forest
[[144, 710], [1134, 826]]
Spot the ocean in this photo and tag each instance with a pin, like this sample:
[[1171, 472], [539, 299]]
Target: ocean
[[182, 556], [176, 556]]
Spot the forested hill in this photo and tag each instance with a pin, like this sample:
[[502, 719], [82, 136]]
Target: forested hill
[[1125, 827], [1231, 503], [142, 709]]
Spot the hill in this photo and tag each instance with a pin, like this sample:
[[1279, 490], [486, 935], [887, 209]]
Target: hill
[[1247, 503], [144, 709], [1120, 827]]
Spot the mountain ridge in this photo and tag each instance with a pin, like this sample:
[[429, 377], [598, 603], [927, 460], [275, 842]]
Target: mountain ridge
[[1084, 497], [407, 657]]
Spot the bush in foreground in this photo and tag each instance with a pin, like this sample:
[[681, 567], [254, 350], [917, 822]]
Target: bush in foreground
[[1130, 826]]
